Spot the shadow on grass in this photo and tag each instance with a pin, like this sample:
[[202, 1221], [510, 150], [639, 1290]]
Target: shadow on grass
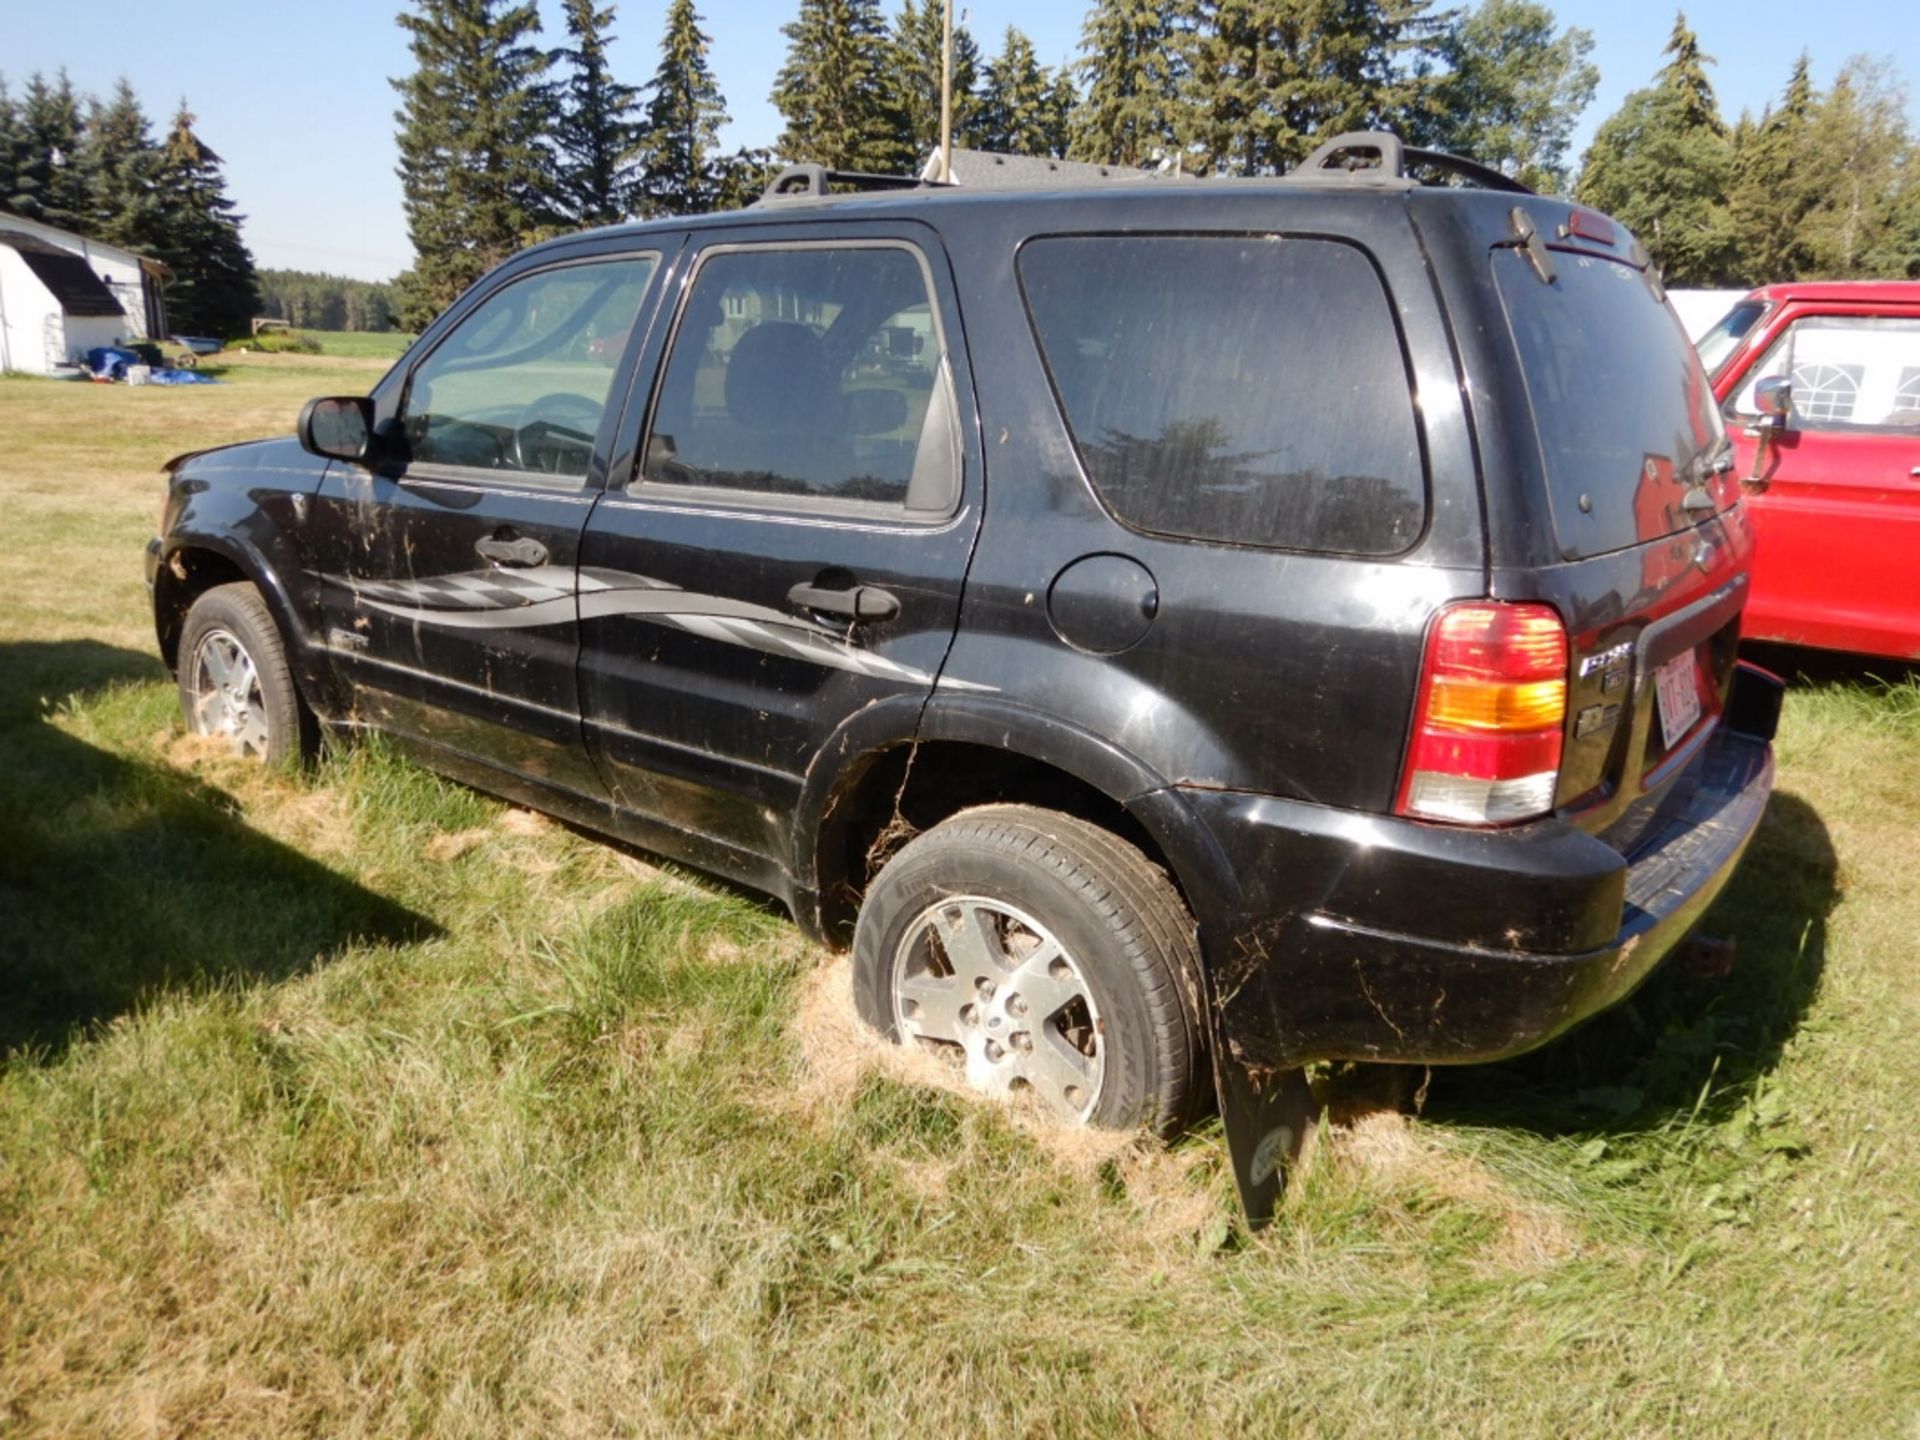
[[121, 881], [1652, 1058], [1802, 667]]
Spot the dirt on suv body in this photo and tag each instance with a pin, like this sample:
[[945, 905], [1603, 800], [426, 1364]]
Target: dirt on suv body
[[1159, 626]]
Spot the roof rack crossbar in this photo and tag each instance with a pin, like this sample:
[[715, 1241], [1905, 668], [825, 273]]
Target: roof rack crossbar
[[1335, 160], [812, 181]]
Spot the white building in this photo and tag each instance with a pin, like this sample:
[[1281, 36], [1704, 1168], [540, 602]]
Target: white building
[[62, 294]]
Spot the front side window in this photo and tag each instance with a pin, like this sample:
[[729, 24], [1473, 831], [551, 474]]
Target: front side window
[[522, 382], [1716, 347], [1248, 389], [1849, 372], [813, 371]]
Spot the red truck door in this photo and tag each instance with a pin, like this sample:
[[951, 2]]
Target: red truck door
[[1837, 518]]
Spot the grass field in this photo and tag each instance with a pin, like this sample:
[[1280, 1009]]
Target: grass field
[[358, 344], [362, 345], [355, 1103]]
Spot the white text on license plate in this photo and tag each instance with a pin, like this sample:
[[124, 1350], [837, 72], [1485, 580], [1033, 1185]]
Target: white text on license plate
[[1679, 694]]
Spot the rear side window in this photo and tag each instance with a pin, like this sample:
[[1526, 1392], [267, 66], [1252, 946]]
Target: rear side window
[[814, 372], [1249, 389]]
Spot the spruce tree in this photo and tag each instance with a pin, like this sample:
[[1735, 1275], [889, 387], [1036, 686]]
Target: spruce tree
[[1062, 100], [1018, 101], [1264, 80], [121, 164], [215, 290], [13, 144], [1662, 165], [831, 89], [49, 182], [1233, 117], [741, 178], [1684, 79], [1772, 190], [913, 81], [595, 130], [1133, 80], [475, 169], [1512, 90], [680, 141]]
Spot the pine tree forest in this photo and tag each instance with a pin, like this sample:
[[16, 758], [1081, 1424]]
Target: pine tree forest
[[97, 167], [507, 135]]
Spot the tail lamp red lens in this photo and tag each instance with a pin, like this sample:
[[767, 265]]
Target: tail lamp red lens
[[1492, 711]]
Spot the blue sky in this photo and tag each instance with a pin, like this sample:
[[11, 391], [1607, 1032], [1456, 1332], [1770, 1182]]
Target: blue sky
[[295, 96]]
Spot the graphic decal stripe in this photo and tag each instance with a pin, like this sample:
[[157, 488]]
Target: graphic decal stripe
[[550, 595]]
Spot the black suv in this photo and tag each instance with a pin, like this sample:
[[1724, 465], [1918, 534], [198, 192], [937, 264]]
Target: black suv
[[1158, 624]]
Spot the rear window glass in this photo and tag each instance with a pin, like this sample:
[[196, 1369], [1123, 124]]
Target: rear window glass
[[1242, 389], [1624, 416]]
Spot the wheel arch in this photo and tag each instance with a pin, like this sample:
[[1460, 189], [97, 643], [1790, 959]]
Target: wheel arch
[[186, 572], [894, 778], [195, 562]]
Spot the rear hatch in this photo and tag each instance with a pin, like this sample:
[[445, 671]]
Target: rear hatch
[[1630, 474]]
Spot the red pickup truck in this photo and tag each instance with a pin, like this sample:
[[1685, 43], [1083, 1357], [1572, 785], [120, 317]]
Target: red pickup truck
[[1830, 457]]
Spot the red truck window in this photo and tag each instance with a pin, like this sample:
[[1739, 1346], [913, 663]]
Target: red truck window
[[1849, 372]]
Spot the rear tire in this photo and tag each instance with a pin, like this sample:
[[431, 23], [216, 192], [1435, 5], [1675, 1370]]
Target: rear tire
[[1055, 955], [235, 682]]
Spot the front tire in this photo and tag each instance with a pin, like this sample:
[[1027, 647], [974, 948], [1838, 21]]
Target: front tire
[[1052, 954], [235, 683]]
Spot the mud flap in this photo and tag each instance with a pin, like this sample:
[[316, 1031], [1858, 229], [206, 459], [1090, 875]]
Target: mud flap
[[1266, 1106], [1267, 1115], [1753, 706]]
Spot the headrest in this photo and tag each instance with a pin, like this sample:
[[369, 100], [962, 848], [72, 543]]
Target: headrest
[[778, 378]]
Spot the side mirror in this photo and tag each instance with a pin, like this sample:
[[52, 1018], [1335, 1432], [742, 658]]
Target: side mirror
[[338, 427], [1773, 398]]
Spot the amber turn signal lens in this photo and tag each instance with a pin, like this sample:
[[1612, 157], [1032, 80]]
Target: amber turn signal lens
[[1459, 704]]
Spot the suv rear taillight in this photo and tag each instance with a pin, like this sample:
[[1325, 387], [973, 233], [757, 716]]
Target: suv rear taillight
[[1491, 713]]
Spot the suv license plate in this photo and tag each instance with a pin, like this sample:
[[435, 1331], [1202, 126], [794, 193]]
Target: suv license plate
[[1679, 690]]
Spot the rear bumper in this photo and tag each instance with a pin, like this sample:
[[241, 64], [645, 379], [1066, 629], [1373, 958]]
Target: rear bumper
[[1374, 939]]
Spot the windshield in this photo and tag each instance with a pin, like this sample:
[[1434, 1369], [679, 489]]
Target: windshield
[[1622, 410], [1716, 347]]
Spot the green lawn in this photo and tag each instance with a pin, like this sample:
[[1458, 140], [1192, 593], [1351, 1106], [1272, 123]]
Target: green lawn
[[362, 345], [358, 344], [357, 1103]]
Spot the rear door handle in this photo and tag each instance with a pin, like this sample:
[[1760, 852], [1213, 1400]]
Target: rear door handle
[[857, 602], [520, 552]]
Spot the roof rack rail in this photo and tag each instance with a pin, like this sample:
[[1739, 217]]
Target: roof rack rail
[[1341, 161], [811, 182]]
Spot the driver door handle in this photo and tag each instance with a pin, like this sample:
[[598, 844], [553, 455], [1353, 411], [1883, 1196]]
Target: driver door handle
[[520, 552], [857, 603]]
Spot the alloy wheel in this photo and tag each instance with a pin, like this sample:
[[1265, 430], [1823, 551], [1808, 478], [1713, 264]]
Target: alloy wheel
[[979, 975], [227, 700]]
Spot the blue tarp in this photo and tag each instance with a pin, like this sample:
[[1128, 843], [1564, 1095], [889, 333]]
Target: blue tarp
[[110, 362]]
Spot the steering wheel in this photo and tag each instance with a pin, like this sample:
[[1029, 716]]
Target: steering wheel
[[552, 427]]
